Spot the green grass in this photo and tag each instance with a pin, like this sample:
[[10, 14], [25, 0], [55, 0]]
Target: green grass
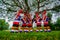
[[54, 35]]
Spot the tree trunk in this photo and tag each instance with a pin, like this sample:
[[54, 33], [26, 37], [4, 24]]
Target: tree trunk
[[38, 5], [26, 3]]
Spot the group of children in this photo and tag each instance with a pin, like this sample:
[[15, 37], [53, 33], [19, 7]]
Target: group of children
[[27, 21]]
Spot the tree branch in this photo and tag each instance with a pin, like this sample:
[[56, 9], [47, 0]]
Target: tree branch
[[53, 9], [7, 3], [11, 4], [8, 10], [17, 3], [26, 3]]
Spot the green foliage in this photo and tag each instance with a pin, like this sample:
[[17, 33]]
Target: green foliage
[[26, 2], [57, 8], [42, 0], [57, 24], [49, 15], [3, 25], [52, 25], [54, 35]]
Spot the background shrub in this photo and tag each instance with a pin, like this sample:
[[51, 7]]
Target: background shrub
[[3, 25]]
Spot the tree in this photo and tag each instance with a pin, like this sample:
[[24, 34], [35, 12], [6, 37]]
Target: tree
[[57, 24], [24, 4], [12, 6], [49, 15], [3, 25], [50, 24], [54, 26]]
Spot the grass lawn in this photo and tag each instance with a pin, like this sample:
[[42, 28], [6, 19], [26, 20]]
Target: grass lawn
[[54, 35]]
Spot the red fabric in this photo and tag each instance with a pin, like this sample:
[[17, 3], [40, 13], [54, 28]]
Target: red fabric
[[38, 23], [23, 25], [16, 23], [20, 11], [44, 12], [36, 13], [29, 25], [18, 15], [44, 17], [45, 23]]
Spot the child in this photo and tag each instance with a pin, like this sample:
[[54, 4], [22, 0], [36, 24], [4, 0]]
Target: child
[[17, 20]]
